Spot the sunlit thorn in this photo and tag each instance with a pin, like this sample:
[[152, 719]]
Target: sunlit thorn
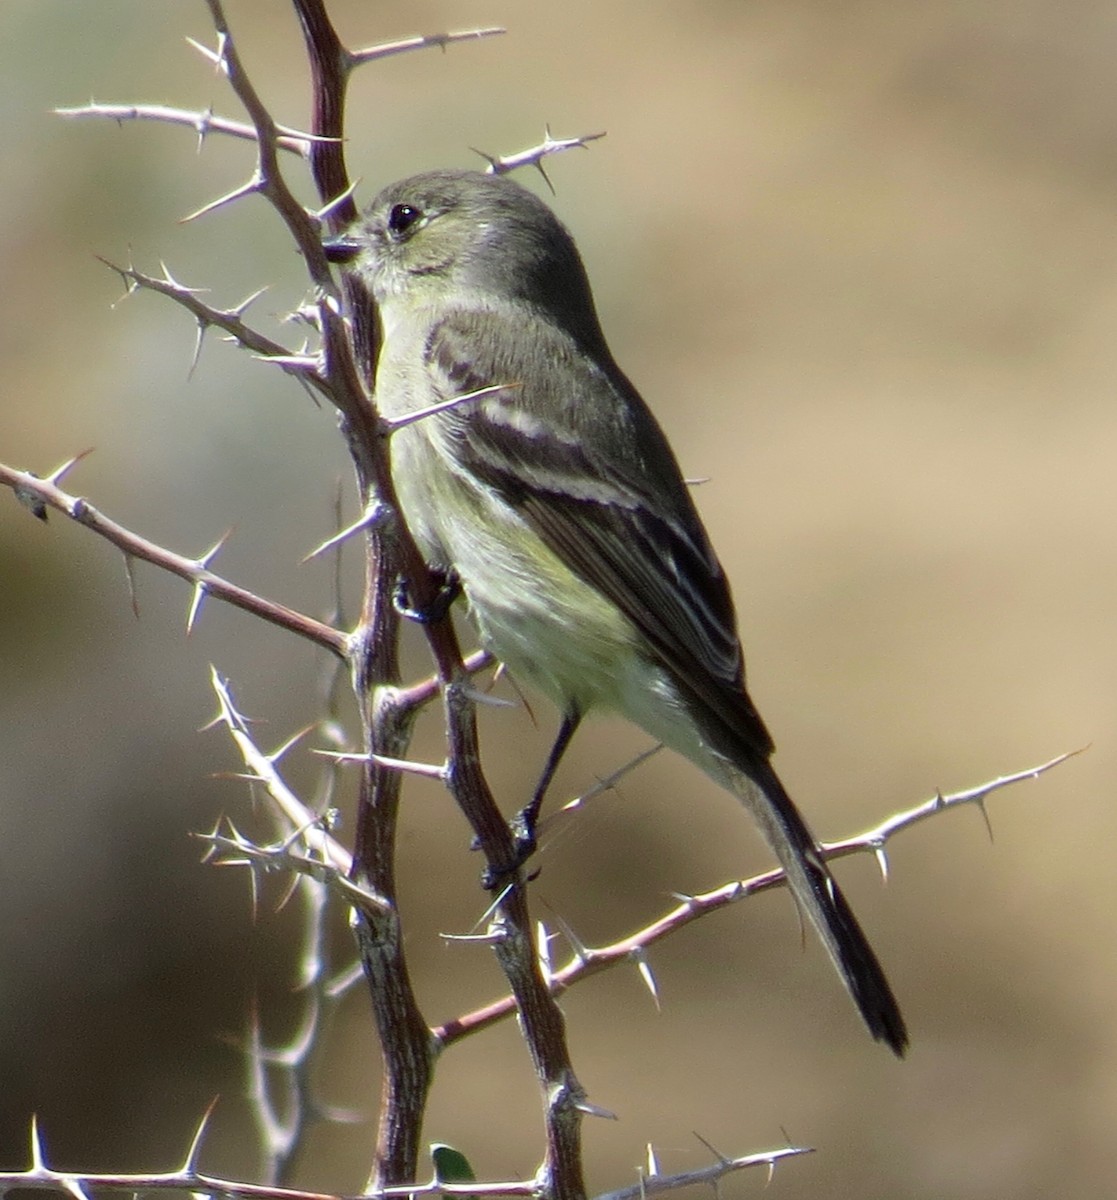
[[293, 880], [196, 600], [609, 782], [299, 364], [172, 282], [59, 473], [195, 358], [293, 740], [344, 981], [190, 1163], [487, 698], [595, 1110], [38, 1161], [205, 559], [406, 765], [372, 516], [343, 756], [421, 414], [645, 969], [205, 51], [246, 189], [74, 1187], [331, 206], [652, 1168], [881, 855]]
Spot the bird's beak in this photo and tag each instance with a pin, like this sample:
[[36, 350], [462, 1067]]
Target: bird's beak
[[341, 249]]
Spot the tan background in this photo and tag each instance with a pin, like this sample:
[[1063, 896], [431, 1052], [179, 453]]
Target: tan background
[[861, 260]]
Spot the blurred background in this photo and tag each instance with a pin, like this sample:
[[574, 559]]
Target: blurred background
[[861, 261]]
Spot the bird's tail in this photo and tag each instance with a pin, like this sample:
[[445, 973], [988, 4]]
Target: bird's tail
[[818, 895]]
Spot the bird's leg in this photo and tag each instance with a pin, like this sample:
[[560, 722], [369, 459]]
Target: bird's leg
[[449, 589], [523, 823]]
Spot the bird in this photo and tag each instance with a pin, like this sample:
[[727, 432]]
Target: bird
[[534, 478]]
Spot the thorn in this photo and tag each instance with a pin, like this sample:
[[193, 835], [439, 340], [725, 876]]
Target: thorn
[[298, 364], [246, 189], [426, 770], [200, 592], [205, 559], [640, 958], [487, 698], [294, 739], [172, 282], [293, 881], [594, 1110], [980, 802], [372, 516], [74, 1187], [130, 575], [130, 284], [709, 1146], [38, 1161], [195, 358], [609, 782], [881, 855], [444, 405], [217, 57], [331, 206], [344, 981], [240, 309], [577, 947], [488, 939], [190, 1163], [652, 1168], [59, 473]]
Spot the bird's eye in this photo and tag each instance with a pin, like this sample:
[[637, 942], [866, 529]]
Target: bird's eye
[[403, 217]]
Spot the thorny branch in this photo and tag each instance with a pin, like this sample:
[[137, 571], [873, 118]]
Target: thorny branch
[[80, 1184], [342, 372], [41, 494]]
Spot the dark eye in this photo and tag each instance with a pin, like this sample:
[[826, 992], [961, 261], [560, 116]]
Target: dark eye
[[402, 217]]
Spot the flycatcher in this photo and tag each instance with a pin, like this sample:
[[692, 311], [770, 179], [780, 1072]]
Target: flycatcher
[[555, 500]]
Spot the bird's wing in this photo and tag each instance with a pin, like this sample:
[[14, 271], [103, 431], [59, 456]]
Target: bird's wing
[[621, 519]]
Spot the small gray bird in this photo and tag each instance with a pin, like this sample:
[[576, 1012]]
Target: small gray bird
[[556, 501]]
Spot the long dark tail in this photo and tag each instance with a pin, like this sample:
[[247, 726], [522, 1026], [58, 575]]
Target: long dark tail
[[760, 790]]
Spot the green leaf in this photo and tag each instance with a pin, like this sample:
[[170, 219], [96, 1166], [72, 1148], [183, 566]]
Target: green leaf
[[450, 1165]]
